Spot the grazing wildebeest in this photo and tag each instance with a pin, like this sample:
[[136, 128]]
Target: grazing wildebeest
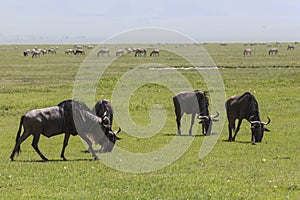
[[79, 51], [273, 51], [90, 46], [120, 52], [103, 52], [140, 51], [154, 52], [69, 117], [193, 102], [242, 107], [78, 47], [247, 52], [52, 50], [36, 53], [26, 52], [128, 49], [69, 51], [290, 47]]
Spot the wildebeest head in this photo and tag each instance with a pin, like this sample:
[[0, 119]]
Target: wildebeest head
[[258, 129], [110, 138], [204, 117], [207, 121]]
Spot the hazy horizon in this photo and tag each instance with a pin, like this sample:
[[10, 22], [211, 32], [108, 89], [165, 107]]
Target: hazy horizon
[[92, 21]]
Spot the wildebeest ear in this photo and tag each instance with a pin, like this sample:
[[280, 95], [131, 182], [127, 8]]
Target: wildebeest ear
[[267, 130]]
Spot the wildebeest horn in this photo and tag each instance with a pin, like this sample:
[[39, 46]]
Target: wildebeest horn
[[203, 117], [269, 120], [118, 131], [215, 116]]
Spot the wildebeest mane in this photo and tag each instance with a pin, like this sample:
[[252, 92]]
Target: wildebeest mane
[[254, 112]]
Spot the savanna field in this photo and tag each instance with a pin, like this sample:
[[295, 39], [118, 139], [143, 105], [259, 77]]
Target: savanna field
[[232, 170]]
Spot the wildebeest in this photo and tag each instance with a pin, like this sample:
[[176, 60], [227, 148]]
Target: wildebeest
[[69, 51], [79, 51], [129, 49], [36, 53], [103, 52], [140, 51], [154, 52], [247, 52], [90, 46], [69, 117], [242, 107], [52, 50], [290, 47], [273, 51], [26, 52], [193, 102], [120, 52]]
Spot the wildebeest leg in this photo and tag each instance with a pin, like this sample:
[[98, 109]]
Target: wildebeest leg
[[66, 140], [231, 126], [90, 149], [237, 129], [34, 144], [192, 123], [24, 136]]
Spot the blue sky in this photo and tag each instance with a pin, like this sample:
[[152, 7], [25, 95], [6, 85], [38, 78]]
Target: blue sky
[[205, 21]]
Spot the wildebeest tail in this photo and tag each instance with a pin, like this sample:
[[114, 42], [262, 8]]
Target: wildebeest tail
[[19, 134], [176, 102]]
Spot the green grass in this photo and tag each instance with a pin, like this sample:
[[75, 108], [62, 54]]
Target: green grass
[[237, 170]]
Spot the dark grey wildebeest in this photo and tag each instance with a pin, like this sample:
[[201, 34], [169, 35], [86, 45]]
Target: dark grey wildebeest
[[273, 51], [120, 52], [154, 52], [69, 117], [242, 107], [290, 47], [140, 51], [193, 102], [79, 52], [102, 52], [247, 52]]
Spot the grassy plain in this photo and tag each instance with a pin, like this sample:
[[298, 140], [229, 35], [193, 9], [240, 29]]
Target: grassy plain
[[237, 170]]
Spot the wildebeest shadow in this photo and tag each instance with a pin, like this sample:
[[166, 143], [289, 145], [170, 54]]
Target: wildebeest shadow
[[241, 142], [54, 160], [186, 135]]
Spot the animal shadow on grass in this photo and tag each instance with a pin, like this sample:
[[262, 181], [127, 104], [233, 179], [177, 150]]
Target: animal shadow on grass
[[55, 160], [241, 142], [182, 135]]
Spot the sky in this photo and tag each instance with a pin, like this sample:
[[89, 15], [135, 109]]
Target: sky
[[71, 21]]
